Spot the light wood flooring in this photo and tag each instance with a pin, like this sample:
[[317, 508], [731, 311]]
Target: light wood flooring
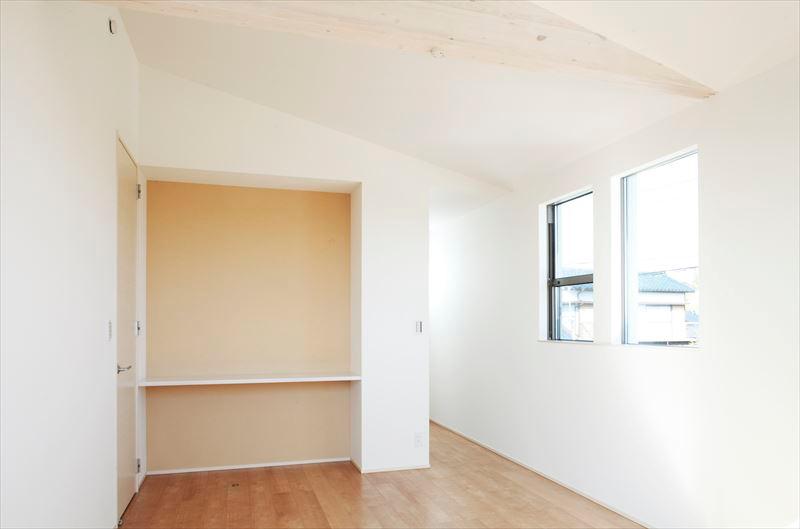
[[466, 486]]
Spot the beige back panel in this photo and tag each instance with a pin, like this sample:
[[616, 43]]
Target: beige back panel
[[246, 280], [209, 426]]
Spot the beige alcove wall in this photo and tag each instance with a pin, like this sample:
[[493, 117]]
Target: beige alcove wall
[[246, 282]]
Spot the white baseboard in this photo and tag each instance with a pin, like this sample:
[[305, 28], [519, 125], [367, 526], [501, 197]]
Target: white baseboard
[[375, 470], [523, 465], [253, 465], [392, 469]]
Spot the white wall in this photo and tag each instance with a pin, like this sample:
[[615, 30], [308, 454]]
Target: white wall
[[190, 126], [356, 235], [67, 87], [672, 437]]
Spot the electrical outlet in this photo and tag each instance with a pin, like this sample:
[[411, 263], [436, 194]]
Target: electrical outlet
[[419, 440]]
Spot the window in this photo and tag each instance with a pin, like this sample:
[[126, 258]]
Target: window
[[660, 246], [570, 270]]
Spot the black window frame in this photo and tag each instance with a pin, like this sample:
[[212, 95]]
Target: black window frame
[[554, 282]]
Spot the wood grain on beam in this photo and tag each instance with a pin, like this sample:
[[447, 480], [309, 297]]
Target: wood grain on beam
[[514, 33]]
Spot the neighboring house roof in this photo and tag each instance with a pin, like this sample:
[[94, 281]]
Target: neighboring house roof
[[654, 282], [661, 282]]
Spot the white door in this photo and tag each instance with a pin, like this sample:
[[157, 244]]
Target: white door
[[126, 328]]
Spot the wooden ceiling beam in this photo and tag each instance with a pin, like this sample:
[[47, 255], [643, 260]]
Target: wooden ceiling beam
[[512, 33]]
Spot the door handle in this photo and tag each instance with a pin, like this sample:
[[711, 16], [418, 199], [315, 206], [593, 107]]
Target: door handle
[[123, 369]]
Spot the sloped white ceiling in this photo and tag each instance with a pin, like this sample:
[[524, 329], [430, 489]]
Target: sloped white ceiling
[[496, 123]]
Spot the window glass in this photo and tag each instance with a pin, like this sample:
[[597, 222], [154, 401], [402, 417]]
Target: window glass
[[575, 312], [570, 277], [660, 207], [574, 237]]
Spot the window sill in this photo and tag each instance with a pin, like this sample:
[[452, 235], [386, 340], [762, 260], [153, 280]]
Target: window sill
[[625, 345], [658, 346], [572, 342]]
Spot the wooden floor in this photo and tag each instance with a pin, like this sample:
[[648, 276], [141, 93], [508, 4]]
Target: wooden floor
[[466, 486]]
